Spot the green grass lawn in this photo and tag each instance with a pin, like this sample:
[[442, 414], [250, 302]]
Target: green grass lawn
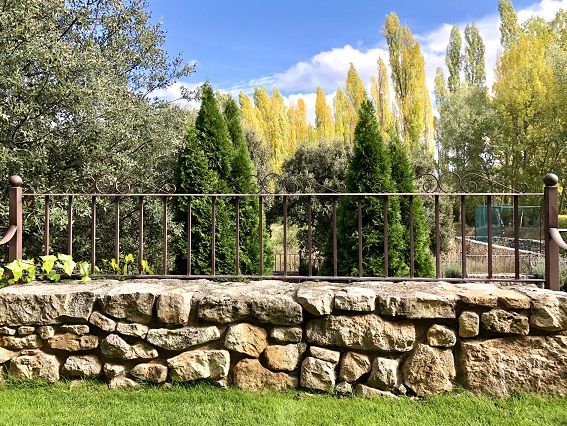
[[79, 403]]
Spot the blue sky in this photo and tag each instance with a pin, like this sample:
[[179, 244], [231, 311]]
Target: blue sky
[[297, 45]]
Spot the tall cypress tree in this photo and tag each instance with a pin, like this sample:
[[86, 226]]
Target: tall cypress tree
[[404, 179], [244, 181], [369, 170], [205, 166]]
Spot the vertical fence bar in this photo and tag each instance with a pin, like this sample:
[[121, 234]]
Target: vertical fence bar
[[515, 200], [70, 226], [437, 238], [309, 237], [463, 240], [164, 255], [285, 235], [15, 245], [93, 234], [360, 271], [140, 233], [489, 233], [117, 229], [261, 231], [237, 239], [335, 251], [551, 220], [189, 242], [411, 236], [386, 237], [46, 235], [213, 235]]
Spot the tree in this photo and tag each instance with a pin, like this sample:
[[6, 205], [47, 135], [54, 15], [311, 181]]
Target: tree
[[404, 179], [384, 106], [441, 92], [243, 181], [78, 87], [369, 170], [475, 72], [509, 27], [453, 59], [205, 166], [341, 110], [249, 118], [323, 117], [355, 91], [408, 75]]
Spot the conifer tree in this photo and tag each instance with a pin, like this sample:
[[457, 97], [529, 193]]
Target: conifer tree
[[453, 59], [404, 179], [244, 181], [369, 170], [475, 72], [323, 118], [205, 166]]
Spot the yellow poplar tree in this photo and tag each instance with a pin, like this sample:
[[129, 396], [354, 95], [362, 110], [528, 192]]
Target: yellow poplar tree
[[248, 112], [341, 111], [324, 125]]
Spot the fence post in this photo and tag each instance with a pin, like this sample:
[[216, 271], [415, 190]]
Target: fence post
[[15, 218], [550, 220]]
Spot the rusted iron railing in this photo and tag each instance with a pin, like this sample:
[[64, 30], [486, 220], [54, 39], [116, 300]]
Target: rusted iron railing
[[553, 240]]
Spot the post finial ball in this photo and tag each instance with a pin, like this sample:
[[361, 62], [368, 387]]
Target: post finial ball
[[16, 181], [551, 179]]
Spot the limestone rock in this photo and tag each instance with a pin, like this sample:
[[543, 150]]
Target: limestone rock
[[122, 382], [384, 374], [353, 366], [144, 350], [368, 392], [415, 300], [325, 354], [46, 304], [173, 307], [343, 389], [79, 329], [367, 332], [429, 370], [469, 324], [226, 307], [507, 322], [72, 342], [46, 332], [549, 313], [533, 364], [26, 330], [155, 373], [31, 341], [355, 299], [35, 365], [102, 321], [246, 339], [250, 375], [132, 329], [6, 355], [316, 301], [439, 335], [284, 357], [286, 334], [199, 364], [82, 366], [115, 347], [317, 374], [179, 339], [7, 331], [112, 370], [132, 301]]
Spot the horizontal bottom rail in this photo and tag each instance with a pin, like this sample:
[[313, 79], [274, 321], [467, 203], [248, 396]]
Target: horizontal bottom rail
[[321, 278]]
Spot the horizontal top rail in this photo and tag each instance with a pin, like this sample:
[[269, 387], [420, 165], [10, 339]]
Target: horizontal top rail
[[279, 194]]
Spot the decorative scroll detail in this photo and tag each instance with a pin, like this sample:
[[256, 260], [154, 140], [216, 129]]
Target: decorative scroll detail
[[467, 183]]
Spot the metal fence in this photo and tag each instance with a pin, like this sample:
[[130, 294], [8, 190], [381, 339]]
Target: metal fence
[[553, 240]]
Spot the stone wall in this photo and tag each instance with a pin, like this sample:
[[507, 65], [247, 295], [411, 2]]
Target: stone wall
[[373, 339]]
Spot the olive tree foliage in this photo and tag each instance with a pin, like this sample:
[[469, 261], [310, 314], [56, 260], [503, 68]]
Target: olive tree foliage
[[78, 80]]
